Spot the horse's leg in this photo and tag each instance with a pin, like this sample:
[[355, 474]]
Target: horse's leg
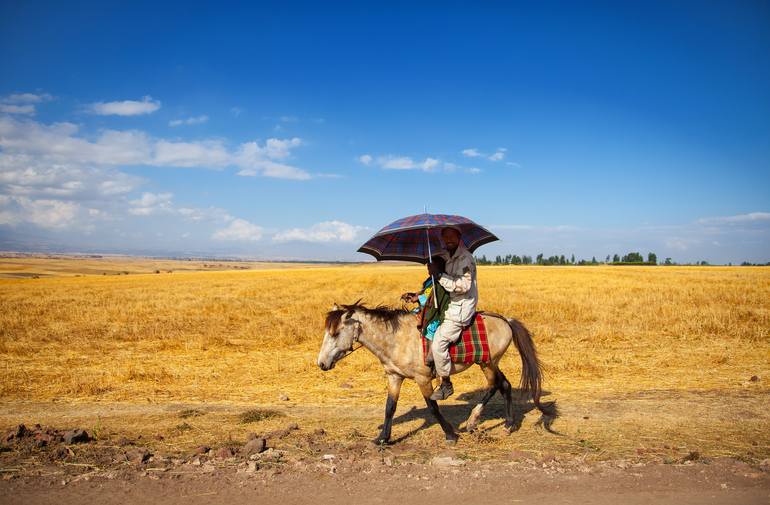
[[394, 389], [426, 388], [511, 423], [493, 383]]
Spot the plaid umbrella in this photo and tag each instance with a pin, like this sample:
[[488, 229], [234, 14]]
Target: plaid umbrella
[[406, 239]]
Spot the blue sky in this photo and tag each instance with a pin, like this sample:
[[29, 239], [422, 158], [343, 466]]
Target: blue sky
[[296, 130]]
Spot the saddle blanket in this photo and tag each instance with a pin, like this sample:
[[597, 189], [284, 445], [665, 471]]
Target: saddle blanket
[[471, 347]]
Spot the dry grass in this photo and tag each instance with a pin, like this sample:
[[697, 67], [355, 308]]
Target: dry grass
[[640, 358]]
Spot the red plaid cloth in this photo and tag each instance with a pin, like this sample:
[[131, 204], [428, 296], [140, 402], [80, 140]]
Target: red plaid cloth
[[472, 347]]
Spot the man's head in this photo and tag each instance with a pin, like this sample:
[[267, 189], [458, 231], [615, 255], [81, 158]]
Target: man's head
[[451, 239]]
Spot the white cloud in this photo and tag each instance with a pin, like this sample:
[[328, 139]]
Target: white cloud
[[366, 159], [60, 143], [201, 214], [498, 155], [280, 148], [327, 231], [397, 163], [151, 203], [7, 108], [55, 177], [46, 213], [239, 230], [27, 98], [429, 164], [512, 164], [210, 154], [254, 159], [189, 121], [126, 107], [236, 111], [473, 152], [750, 218], [407, 163], [474, 170]]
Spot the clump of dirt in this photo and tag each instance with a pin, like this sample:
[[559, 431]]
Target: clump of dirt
[[191, 413], [256, 415]]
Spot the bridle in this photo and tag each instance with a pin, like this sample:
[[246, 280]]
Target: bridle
[[351, 350]]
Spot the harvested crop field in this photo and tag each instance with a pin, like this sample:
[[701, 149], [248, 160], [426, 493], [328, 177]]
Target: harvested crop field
[[649, 365]]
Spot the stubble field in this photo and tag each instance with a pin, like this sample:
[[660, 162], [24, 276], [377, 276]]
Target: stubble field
[[646, 363]]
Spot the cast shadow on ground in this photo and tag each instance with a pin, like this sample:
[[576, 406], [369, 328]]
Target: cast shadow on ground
[[458, 414]]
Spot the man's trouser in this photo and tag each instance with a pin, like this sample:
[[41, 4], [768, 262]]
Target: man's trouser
[[448, 333]]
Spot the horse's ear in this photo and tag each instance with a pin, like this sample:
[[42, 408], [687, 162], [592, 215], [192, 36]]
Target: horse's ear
[[335, 307]]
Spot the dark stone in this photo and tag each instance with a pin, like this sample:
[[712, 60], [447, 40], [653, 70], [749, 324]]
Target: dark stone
[[692, 456], [254, 446], [42, 439], [138, 456], [20, 431], [202, 449], [61, 453], [224, 453], [76, 437], [754, 378]]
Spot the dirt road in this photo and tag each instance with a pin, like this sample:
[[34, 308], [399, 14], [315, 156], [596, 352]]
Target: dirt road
[[337, 479]]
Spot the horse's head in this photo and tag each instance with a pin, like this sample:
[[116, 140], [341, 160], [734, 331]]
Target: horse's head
[[341, 332]]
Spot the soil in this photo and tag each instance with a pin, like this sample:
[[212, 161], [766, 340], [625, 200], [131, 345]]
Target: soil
[[121, 471]]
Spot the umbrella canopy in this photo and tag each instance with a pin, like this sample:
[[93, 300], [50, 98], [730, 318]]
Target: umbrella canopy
[[405, 239]]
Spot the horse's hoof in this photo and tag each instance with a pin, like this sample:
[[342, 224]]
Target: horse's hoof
[[511, 427], [452, 441], [379, 442]]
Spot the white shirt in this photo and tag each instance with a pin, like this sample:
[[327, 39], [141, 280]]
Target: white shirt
[[459, 280]]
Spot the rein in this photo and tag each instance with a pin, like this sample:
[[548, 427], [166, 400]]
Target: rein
[[351, 351]]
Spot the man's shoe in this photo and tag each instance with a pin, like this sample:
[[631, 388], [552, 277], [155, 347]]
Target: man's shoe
[[444, 391]]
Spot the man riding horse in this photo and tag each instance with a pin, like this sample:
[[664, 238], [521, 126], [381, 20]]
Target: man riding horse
[[458, 277]]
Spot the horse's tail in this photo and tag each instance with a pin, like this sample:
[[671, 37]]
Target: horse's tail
[[531, 371]]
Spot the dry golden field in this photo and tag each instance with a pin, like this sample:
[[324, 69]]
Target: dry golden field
[[645, 362]]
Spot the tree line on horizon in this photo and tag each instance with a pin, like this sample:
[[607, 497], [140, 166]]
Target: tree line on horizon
[[632, 258]]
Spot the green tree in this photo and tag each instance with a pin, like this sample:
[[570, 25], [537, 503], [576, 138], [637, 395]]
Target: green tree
[[632, 257], [652, 258], [616, 258]]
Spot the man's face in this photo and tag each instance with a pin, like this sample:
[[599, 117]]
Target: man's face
[[450, 238]]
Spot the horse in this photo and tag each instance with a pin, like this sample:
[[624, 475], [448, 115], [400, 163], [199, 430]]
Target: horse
[[391, 335]]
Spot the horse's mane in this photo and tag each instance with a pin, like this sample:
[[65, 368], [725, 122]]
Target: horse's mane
[[382, 313]]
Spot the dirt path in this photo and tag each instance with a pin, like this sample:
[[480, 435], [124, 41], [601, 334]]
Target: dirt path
[[368, 482], [192, 453]]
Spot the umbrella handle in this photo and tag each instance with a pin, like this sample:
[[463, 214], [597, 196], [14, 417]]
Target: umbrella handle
[[430, 260]]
